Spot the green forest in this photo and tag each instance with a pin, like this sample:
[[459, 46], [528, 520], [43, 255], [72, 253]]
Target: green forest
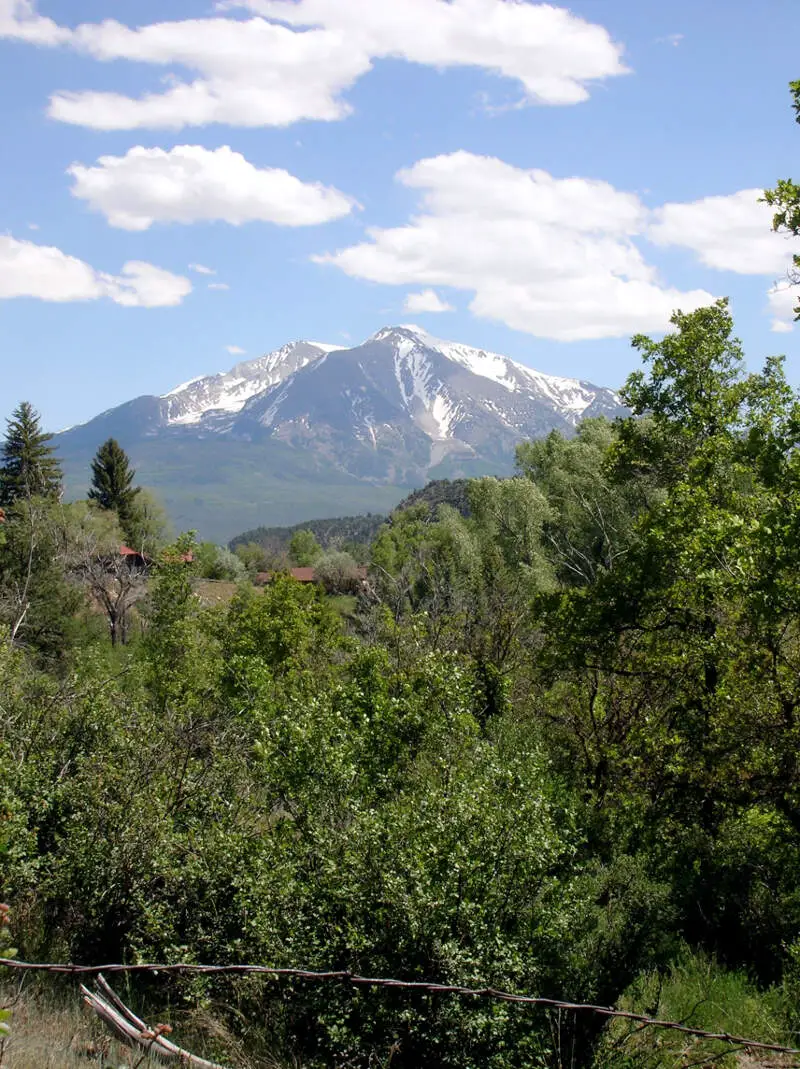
[[552, 747]]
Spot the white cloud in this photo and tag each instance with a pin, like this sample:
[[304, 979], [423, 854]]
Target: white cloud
[[559, 258], [19, 21], [33, 226], [552, 52], [47, 273], [234, 350], [295, 59], [552, 257], [218, 286], [782, 300], [142, 285], [730, 233], [673, 39], [201, 269], [190, 184], [734, 233], [426, 301]]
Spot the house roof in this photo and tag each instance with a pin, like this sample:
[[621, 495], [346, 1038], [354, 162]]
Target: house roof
[[126, 551], [302, 575]]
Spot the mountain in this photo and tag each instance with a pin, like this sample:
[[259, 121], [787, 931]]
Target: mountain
[[402, 403], [313, 429]]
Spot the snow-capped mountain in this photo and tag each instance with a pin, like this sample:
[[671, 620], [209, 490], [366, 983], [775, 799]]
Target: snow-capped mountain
[[405, 392], [312, 422], [212, 396]]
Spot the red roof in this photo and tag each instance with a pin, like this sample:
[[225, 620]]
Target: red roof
[[126, 551], [302, 575]]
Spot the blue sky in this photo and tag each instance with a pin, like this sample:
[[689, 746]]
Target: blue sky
[[554, 179]]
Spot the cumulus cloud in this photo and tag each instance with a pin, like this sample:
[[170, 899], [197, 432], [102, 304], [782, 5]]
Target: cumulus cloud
[[426, 301], [201, 269], [190, 184], [295, 59], [47, 273], [563, 257], [730, 233], [550, 51], [734, 233], [553, 257]]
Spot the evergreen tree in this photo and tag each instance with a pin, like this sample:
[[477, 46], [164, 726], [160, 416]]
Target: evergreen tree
[[29, 465], [112, 478]]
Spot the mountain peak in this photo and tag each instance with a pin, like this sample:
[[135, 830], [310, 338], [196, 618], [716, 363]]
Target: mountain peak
[[210, 398], [406, 331]]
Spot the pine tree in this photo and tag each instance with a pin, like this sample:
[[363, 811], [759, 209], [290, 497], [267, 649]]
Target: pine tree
[[112, 479], [29, 466]]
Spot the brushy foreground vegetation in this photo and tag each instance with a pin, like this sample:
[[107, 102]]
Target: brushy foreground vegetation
[[554, 749]]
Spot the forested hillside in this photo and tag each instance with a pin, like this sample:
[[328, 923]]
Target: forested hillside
[[555, 749], [350, 531], [331, 533]]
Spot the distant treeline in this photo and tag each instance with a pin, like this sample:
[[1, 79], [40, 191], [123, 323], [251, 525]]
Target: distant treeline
[[334, 533], [346, 531]]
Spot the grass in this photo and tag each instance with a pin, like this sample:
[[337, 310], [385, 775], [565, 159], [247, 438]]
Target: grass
[[698, 992], [52, 1028], [345, 604], [213, 592]]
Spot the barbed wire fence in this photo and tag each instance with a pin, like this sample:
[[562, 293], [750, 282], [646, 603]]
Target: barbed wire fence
[[188, 969]]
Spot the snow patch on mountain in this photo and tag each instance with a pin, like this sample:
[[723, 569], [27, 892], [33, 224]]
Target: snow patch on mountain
[[425, 397], [445, 415]]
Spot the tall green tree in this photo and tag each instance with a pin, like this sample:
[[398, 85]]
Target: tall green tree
[[304, 549], [148, 529], [112, 481], [29, 466]]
